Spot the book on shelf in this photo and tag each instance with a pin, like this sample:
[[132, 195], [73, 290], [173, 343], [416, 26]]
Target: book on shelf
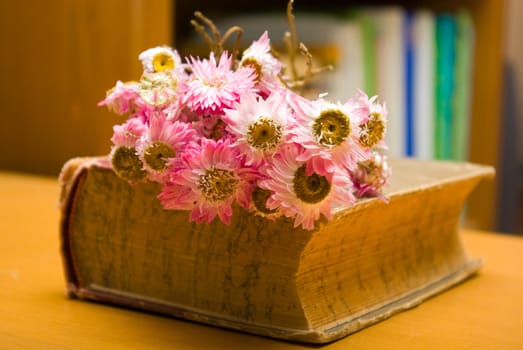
[[389, 41], [445, 77], [461, 102], [349, 70], [410, 65], [423, 37], [372, 260], [368, 34]]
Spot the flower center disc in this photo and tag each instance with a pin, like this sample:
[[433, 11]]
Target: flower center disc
[[259, 198], [310, 189], [156, 155], [127, 165], [331, 128], [372, 131], [217, 184], [264, 134], [162, 61]]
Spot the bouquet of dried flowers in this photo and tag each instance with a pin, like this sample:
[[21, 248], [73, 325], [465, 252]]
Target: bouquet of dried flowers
[[234, 129]]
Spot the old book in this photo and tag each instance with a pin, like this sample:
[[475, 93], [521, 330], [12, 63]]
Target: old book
[[371, 261]]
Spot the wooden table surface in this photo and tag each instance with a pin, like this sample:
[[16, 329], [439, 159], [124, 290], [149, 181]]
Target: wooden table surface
[[485, 312]]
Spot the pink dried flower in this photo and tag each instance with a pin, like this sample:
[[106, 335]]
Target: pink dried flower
[[207, 179], [213, 86], [124, 157], [259, 126], [122, 98], [329, 134], [266, 67], [209, 126], [212, 127], [304, 197], [129, 132], [372, 123], [164, 140], [370, 176]]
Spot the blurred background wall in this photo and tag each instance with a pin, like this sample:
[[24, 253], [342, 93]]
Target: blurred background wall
[[58, 59]]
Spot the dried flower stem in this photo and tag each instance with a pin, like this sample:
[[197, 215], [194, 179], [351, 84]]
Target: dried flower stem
[[214, 30], [216, 41], [201, 30], [293, 46], [291, 40], [237, 42], [308, 59]]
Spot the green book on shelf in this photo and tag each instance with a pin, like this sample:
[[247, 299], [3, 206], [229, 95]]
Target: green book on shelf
[[444, 91], [368, 36], [462, 89]]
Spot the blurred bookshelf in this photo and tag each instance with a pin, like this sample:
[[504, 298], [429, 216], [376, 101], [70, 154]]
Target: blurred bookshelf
[[486, 88]]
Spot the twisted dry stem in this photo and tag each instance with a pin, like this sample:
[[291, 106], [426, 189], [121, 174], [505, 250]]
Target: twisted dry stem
[[216, 41], [296, 81]]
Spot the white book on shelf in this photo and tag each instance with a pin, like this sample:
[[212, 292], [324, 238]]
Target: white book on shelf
[[390, 50], [423, 99], [348, 76]]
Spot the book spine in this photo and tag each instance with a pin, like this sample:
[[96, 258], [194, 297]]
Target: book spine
[[462, 94], [390, 73], [349, 74], [410, 146], [445, 60], [423, 90], [368, 35]]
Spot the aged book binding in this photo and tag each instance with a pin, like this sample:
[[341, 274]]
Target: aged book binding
[[265, 277]]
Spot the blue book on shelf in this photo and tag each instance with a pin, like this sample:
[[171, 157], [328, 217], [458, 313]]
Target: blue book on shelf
[[409, 84], [445, 62]]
